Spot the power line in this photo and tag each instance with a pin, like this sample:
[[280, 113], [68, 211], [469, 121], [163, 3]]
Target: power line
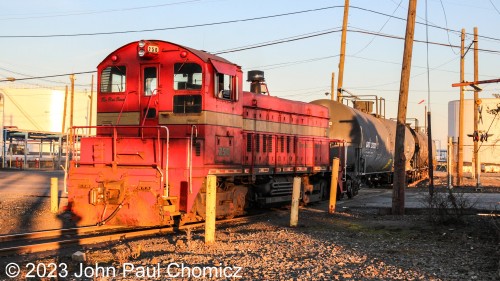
[[279, 41], [30, 76], [48, 76], [172, 28], [421, 23], [445, 21], [285, 64], [234, 21], [76, 13], [416, 40], [381, 28], [494, 7]]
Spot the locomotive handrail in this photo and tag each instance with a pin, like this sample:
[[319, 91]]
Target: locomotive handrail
[[190, 157], [71, 143], [149, 104], [123, 106]]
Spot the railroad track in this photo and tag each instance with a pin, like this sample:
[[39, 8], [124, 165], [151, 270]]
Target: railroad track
[[40, 241]]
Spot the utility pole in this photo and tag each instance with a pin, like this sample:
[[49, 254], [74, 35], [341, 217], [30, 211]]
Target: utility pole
[[398, 192], [71, 108], [64, 111], [460, 160], [342, 52], [477, 102], [429, 154], [332, 90], [72, 105], [91, 101]]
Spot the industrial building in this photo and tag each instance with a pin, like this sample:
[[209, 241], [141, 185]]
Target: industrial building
[[489, 124]]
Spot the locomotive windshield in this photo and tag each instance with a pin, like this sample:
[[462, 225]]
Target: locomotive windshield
[[113, 79], [187, 76]]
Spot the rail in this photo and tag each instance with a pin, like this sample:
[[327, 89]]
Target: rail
[[55, 239], [73, 148]]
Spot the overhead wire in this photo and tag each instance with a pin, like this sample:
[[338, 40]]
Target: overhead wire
[[48, 76], [235, 21], [279, 41], [284, 40], [23, 112], [30, 76], [71, 14], [380, 29], [285, 64], [494, 7], [172, 28], [445, 21]]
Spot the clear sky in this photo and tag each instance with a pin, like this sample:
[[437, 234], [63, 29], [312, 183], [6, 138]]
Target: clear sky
[[298, 69]]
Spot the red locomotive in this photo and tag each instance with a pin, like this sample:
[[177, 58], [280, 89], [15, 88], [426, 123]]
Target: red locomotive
[[168, 116]]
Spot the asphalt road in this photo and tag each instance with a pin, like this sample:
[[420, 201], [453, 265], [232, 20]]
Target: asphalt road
[[37, 183], [29, 182], [416, 199]]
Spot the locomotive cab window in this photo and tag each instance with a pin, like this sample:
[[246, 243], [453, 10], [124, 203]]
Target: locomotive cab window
[[150, 81], [187, 76], [113, 79], [225, 86], [187, 104]]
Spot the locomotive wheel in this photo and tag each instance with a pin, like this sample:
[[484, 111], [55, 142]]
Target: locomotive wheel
[[323, 189], [349, 191], [230, 203]]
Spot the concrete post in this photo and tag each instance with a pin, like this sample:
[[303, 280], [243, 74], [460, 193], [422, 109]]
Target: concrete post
[[294, 215], [54, 195], [449, 162], [210, 209], [333, 185]]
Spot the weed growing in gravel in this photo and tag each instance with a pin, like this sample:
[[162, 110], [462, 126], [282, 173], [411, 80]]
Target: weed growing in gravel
[[448, 206]]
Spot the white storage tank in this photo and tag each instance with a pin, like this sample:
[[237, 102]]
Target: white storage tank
[[489, 151]]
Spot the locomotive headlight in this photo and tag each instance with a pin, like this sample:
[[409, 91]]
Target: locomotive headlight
[[142, 43], [141, 53]]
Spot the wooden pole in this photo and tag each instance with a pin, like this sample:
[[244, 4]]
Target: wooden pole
[[333, 185], [210, 209], [342, 51], [460, 160], [398, 194], [449, 162], [332, 90], [91, 101], [71, 110], [72, 103], [63, 130], [425, 118], [477, 102], [294, 213], [429, 154]]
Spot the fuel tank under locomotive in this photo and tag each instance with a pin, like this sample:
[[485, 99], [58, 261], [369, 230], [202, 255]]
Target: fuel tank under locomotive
[[370, 141]]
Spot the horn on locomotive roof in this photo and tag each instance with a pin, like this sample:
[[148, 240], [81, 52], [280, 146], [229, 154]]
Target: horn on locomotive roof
[[257, 82]]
